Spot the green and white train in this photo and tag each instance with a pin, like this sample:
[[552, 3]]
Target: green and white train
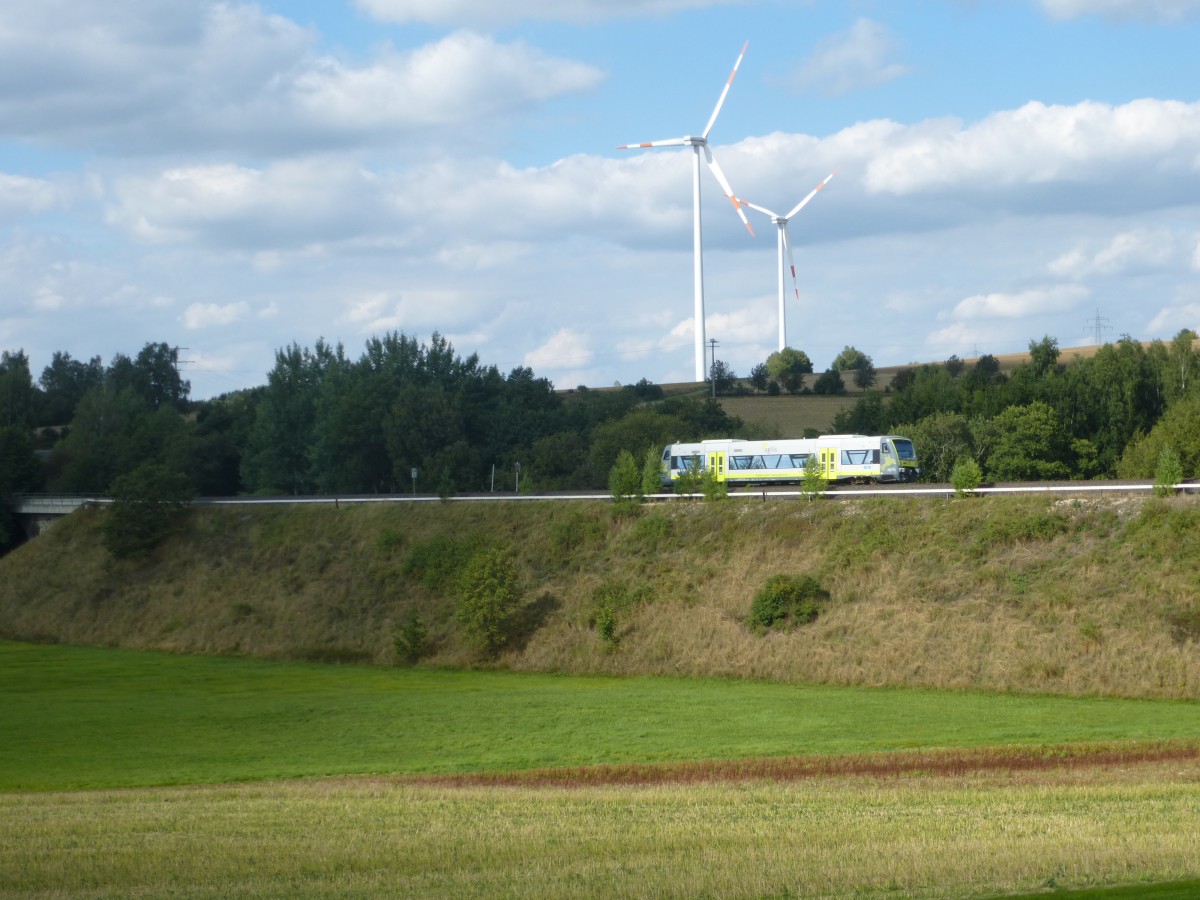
[[839, 458]]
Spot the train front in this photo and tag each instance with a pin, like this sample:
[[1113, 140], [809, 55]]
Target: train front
[[899, 462]]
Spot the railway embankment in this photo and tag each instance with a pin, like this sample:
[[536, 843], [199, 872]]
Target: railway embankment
[[1091, 596]]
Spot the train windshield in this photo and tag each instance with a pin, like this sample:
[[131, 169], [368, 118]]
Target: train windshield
[[904, 448]]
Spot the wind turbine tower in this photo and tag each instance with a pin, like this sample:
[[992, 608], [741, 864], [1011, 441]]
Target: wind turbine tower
[[697, 144], [781, 222]]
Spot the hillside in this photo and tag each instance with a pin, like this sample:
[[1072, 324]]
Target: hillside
[[1010, 594]]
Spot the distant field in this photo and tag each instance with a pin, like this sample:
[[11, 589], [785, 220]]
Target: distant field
[[1085, 791]]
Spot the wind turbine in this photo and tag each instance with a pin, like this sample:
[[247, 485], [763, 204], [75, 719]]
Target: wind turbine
[[697, 143], [784, 245]]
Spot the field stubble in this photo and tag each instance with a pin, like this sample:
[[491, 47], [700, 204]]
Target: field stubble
[[912, 835]]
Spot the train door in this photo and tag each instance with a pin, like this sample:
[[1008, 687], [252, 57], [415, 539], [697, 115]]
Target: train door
[[829, 463], [717, 461]]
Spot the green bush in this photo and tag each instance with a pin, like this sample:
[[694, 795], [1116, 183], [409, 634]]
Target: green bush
[[411, 639], [1032, 528], [437, 562], [711, 488], [965, 476], [652, 471], [610, 601], [1168, 473], [625, 479], [787, 599], [813, 484], [488, 596]]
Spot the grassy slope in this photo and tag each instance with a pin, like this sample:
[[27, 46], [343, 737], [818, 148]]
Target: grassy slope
[[1009, 594]]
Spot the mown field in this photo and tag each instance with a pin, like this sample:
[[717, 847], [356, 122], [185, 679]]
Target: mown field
[[215, 777]]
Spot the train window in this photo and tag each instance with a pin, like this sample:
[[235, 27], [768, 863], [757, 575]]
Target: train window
[[799, 460], [904, 449], [856, 457]]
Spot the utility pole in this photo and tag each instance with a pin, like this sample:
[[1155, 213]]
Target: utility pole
[[712, 345]]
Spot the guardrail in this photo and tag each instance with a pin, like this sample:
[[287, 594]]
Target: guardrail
[[63, 504]]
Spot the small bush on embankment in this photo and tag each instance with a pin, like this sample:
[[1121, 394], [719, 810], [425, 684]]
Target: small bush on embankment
[[1072, 596]]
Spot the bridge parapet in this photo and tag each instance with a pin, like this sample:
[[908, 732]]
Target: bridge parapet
[[55, 504]]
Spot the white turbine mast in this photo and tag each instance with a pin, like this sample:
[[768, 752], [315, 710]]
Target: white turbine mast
[[696, 143], [781, 223]]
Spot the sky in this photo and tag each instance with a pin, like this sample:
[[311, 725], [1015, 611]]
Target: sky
[[231, 178]]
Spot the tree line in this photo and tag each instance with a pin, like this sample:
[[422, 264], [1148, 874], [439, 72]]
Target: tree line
[[1109, 415], [326, 422]]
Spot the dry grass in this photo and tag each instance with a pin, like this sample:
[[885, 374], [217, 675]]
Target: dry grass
[[914, 835]]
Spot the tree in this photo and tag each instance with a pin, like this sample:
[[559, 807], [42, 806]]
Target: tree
[[788, 367], [20, 471], [1183, 360], [829, 383], [652, 471], [145, 505], [954, 366], [16, 390], [722, 376], [940, 441], [1028, 443], [63, 383], [488, 595], [156, 377], [1168, 473], [625, 479], [850, 358], [1043, 355], [865, 376], [1178, 429], [278, 454], [759, 376]]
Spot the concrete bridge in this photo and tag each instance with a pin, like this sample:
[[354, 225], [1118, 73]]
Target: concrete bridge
[[37, 512]]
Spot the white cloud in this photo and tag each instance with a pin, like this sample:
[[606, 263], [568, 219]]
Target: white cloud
[[462, 12], [852, 60], [205, 76], [1020, 304], [1128, 251], [20, 196], [210, 315], [1171, 319], [1039, 145], [566, 349], [1145, 10]]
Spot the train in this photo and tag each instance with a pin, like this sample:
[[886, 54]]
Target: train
[[845, 458]]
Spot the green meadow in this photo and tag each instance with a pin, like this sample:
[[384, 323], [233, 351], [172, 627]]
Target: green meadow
[[99, 718]]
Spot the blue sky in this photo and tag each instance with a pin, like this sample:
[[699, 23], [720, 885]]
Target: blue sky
[[232, 177]]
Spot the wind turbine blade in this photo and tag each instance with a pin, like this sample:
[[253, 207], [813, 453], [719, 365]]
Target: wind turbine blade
[[669, 142], [791, 262], [811, 194], [724, 182], [721, 100], [761, 209]]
